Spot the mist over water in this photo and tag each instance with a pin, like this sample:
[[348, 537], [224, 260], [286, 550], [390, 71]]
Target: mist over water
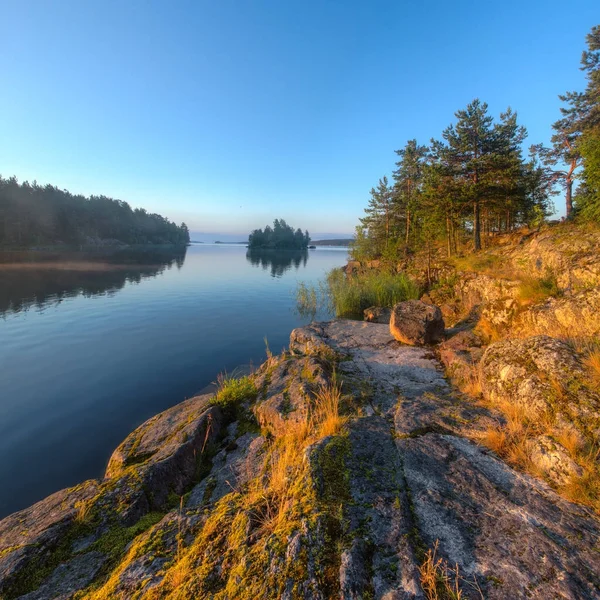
[[92, 347]]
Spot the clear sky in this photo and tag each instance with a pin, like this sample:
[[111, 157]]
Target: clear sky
[[227, 114]]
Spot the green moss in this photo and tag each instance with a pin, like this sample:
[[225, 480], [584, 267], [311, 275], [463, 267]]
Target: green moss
[[40, 567], [334, 474], [247, 423], [116, 539]]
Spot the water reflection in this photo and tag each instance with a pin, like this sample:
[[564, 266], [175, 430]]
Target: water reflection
[[41, 279], [278, 261]]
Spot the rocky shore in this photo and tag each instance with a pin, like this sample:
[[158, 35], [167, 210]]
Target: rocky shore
[[352, 466]]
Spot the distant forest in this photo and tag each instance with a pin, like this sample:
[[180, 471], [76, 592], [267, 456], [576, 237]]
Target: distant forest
[[280, 236], [34, 215]]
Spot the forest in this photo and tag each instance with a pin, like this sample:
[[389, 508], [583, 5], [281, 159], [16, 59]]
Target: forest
[[33, 215], [280, 236], [475, 181]]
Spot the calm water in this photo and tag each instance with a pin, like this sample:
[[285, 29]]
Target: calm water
[[90, 351]]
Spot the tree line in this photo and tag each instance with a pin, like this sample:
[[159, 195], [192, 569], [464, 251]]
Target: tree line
[[280, 236], [476, 181], [35, 215]]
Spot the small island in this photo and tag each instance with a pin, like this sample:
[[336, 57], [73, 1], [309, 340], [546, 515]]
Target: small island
[[279, 237]]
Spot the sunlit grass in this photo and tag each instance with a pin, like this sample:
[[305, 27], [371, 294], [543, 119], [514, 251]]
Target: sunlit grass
[[533, 290]]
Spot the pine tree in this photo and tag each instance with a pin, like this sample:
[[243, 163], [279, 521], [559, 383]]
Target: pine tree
[[408, 181], [587, 109], [471, 143], [379, 216]]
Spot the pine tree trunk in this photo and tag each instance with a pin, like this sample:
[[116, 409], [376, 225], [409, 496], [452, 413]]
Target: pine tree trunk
[[569, 196], [448, 235], [407, 226], [428, 262], [476, 227]]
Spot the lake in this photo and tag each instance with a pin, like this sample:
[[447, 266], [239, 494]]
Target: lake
[[91, 347]]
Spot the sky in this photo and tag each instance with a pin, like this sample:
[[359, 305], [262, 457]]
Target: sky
[[229, 114]]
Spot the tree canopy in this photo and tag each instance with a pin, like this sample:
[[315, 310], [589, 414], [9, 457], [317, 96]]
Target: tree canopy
[[280, 236], [475, 181], [33, 215]]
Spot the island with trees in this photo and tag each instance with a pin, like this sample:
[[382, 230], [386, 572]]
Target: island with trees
[[279, 237], [32, 215]]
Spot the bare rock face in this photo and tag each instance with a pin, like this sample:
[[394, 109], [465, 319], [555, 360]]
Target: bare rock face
[[166, 451], [290, 386], [461, 354], [161, 436], [577, 314], [352, 267], [572, 254], [35, 532], [476, 288], [416, 323], [553, 459], [542, 374], [378, 314]]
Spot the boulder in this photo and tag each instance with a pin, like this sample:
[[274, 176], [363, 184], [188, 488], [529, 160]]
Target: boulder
[[553, 460], [373, 264], [544, 376], [415, 323], [460, 354], [378, 314], [574, 315], [287, 393], [352, 266]]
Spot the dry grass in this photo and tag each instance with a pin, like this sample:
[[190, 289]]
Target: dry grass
[[440, 581], [514, 441], [489, 331], [326, 411], [534, 290], [472, 384], [83, 511], [592, 362], [275, 493]]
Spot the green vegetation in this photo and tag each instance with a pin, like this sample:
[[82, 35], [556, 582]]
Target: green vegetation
[[533, 290], [474, 181], [242, 548], [116, 539], [233, 391], [349, 295], [31, 214], [575, 150], [280, 236]]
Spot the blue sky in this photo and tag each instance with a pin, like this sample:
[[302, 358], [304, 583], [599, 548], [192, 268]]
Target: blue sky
[[227, 114]]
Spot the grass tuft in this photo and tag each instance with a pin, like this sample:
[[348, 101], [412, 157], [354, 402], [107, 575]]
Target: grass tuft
[[534, 290], [232, 391], [440, 581]]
